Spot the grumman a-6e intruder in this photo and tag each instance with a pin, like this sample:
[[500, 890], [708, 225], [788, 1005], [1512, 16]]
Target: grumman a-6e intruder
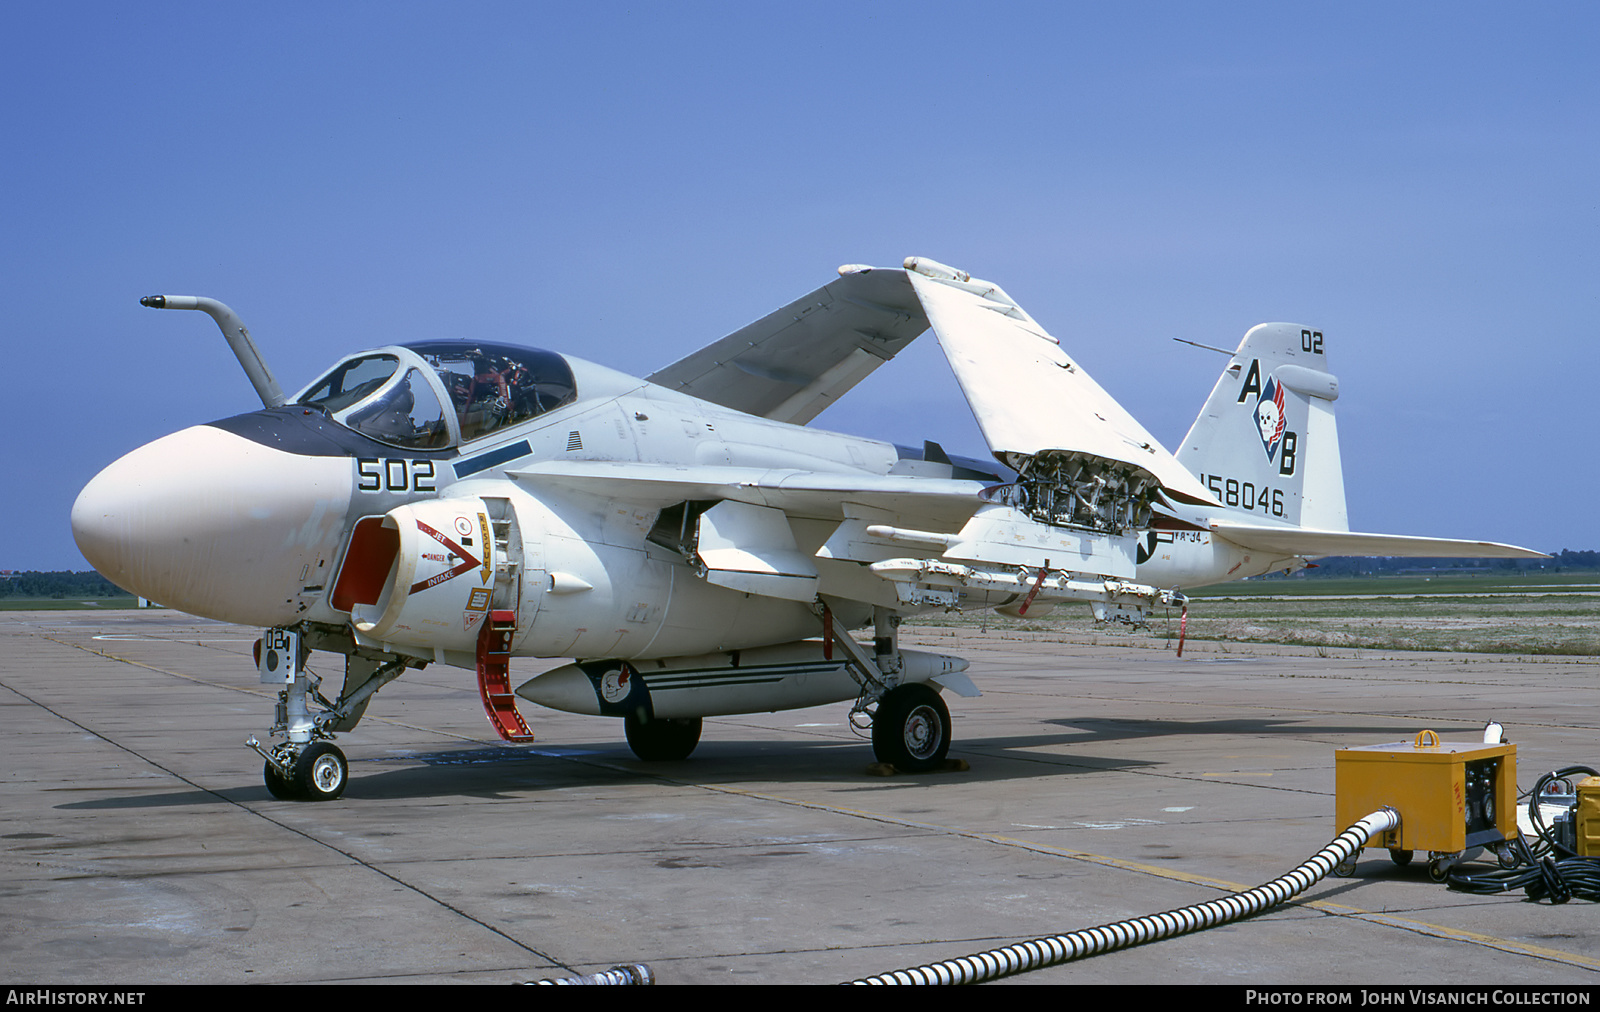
[[685, 537]]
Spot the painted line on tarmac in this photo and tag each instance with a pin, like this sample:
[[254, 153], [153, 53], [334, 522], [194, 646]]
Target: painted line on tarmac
[[1457, 935], [1323, 906]]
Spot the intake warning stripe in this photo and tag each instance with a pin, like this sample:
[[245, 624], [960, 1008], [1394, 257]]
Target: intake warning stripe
[[468, 562], [484, 461]]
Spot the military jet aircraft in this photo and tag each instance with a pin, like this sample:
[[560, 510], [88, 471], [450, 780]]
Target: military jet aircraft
[[686, 538]]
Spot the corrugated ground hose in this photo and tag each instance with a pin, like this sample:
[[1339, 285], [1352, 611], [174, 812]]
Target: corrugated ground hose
[[1057, 949], [628, 973]]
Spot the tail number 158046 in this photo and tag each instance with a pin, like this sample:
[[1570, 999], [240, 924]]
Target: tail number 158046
[[1244, 494]]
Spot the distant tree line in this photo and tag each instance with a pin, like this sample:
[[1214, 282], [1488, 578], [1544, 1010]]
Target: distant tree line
[[1564, 561], [58, 586]]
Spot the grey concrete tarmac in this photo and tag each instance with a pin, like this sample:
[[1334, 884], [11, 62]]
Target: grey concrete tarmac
[[139, 846]]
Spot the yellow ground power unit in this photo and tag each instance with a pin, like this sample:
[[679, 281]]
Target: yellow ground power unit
[[1587, 817], [1451, 796]]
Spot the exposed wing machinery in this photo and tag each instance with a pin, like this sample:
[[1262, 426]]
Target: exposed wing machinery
[[1082, 459]]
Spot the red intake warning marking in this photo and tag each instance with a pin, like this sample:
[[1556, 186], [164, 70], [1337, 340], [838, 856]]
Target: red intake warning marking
[[467, 563]]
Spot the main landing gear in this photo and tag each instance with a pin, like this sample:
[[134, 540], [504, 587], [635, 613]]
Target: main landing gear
[[910, 723], [911, 729]]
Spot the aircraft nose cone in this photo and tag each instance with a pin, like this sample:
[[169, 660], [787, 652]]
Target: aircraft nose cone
[[215, 525]]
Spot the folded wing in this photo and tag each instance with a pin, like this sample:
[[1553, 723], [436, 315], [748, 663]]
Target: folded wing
[[1031, 400], [793, 363]]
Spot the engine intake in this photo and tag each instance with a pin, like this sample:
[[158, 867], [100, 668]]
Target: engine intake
[[427, 573]]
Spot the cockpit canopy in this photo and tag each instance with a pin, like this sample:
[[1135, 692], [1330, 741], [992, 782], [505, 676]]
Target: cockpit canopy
[[397, 395]]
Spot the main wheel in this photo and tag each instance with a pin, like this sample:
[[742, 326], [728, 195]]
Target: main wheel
[[1401, 858], [911, 730], [278, 785], [320, 772], [662, 740]]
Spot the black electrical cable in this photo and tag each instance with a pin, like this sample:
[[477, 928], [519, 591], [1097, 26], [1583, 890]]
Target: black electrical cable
[[1553, 871], [1547, 878], [1546, 843]]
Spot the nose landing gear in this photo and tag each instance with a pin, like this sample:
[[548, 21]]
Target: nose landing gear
[[307, 766]]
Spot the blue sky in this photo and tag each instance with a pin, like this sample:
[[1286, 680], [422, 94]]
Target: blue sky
[[629, 183]]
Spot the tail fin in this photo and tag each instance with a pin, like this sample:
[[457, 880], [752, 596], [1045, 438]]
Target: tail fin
[[1266, 441]]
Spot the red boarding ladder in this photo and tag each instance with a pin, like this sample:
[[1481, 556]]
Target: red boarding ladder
[[494, 682]]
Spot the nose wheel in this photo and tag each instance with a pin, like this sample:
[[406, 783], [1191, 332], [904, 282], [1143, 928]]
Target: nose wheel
[[317, 772], [321, 772], [278, 785]]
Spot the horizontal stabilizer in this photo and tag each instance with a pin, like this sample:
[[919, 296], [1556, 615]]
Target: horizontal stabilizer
[[1310, 543]]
